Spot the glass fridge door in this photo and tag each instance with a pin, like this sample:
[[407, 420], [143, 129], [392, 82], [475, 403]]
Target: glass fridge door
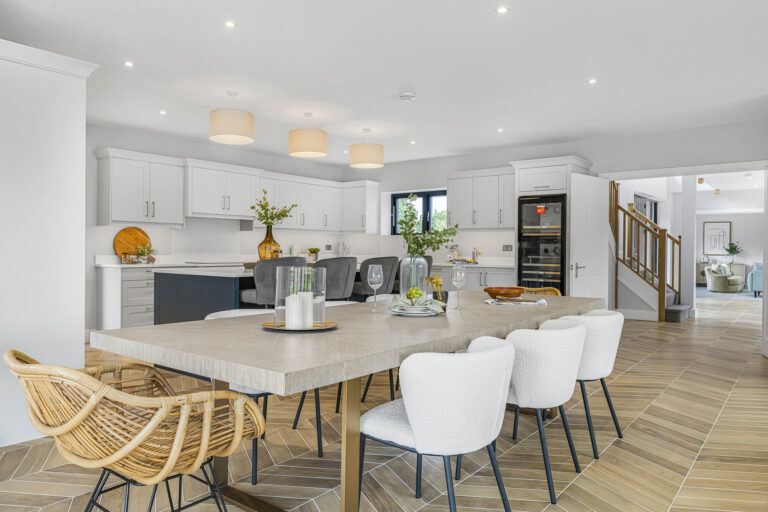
[[542, 242]]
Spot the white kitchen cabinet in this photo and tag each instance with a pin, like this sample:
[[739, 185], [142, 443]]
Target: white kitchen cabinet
[[241, 194], [331, 209], [478, 276], [288, 194], [550, 179], [218, 193], [311, 206], [485, 202], [137, 187], [353, 209], [507, 202], [499, 277], [460, 202]]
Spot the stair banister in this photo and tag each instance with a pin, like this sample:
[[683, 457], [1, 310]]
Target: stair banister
[[662, 252]]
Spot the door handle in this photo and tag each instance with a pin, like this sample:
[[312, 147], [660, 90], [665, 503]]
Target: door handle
[[576, 268], [153, 209], [146, 208]]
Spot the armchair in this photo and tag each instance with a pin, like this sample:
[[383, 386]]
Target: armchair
[[755, 279], [723, 283]]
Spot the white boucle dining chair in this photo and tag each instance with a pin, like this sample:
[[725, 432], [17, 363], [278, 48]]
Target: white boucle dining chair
[[452, 404], [602, 343], [546, 362]]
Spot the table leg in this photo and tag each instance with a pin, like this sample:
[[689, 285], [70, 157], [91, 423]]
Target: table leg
[[221, 464], [350, 445]]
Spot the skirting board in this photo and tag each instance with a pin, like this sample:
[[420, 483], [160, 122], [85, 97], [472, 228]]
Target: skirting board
[[639, 314]]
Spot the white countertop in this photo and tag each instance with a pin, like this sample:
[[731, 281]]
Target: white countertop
[[167, 265], [210, 271]]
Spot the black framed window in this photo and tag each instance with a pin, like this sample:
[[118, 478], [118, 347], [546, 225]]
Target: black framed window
[[432, 206]]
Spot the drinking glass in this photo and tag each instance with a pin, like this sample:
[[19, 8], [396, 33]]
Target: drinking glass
[[375, 280], [458, 278]]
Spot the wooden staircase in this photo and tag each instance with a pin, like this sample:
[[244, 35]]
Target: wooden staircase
[[651, 253]]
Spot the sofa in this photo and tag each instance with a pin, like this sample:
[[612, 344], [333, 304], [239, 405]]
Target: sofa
[[719, 279], [755, 279]]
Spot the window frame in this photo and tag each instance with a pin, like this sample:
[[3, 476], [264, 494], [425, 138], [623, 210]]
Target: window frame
[[426, 201]]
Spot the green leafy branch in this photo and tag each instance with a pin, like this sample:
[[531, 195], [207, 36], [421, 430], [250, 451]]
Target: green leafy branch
[[418, 243], [270, 215]]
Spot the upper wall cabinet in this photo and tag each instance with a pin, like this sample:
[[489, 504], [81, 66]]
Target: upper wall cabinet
[[360, 206], [547, 175], [138, 187], [482, 199], [220, 191]]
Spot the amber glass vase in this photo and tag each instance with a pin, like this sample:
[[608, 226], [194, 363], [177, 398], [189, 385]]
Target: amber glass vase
[[269, 248]]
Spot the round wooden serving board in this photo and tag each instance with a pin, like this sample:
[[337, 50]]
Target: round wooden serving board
[[127, 239]]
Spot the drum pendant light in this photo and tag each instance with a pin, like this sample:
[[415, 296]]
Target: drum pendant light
[[366, 156], [228, 126], [306, 142]]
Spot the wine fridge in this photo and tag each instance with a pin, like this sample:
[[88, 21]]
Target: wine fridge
[[541, 242]]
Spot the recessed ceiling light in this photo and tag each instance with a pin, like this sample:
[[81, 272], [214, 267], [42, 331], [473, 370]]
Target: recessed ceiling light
[[502, 10], [592, 81], [230, 24], [163, 112], [413, 142], [500, 130], [128, 63]]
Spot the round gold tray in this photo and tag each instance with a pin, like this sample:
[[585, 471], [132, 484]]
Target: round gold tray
[[316, 327]]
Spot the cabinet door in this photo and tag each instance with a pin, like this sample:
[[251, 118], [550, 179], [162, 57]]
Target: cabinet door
[[240, 194], [311, 206], [129, 191], [474, 279], [543, 179], [499, 277], [460, 202], [166, 193], [209, 191], [507, 201], [288, 194], [353, 209], [331, 209], [485, 192]]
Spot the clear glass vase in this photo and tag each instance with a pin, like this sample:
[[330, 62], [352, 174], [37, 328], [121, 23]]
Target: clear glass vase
[[413, 274], [300, 298]]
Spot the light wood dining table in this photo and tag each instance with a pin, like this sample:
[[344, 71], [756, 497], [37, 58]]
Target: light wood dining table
[[239, 351]]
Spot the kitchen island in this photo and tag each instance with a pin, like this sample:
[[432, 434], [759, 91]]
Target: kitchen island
[[184, 294]]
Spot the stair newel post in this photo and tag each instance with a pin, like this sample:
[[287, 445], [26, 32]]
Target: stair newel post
[[662, 259]]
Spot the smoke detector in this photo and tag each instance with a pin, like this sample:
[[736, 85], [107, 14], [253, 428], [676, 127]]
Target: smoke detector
[[407, 96]]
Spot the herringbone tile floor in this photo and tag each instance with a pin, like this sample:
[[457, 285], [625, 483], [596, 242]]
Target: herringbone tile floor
[[692, 399]]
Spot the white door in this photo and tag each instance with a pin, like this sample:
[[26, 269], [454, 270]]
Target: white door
[[353, 209], [209, 191], [240, 194], [331, 209], [288, 194], [166, 193], [129, 189], [507, 202], [311, 206], [460, 202], [485, 190], [588, 233]]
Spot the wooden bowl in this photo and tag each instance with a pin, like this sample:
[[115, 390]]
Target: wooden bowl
[[503, 291]]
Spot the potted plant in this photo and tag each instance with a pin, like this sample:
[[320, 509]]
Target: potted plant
[[270, 215], [733, 250], [314, 251], [145, 253], [413, 269]]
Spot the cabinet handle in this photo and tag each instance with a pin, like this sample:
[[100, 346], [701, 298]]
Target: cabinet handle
[[150, 283], [146, 208], [501, 217], [325, 222], [541, 186], [362, 221], [149, 308], [224, 202], [474, 217], [153, 209], [229, 202], [302, 219]]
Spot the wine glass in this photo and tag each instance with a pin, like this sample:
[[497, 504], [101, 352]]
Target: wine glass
[[458, 278], [375, 280]]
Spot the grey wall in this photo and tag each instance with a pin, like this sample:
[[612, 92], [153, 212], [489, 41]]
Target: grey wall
[[746, 229]]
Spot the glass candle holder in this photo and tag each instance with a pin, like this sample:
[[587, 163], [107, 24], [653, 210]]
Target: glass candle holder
[[413, 274], [300, 298]]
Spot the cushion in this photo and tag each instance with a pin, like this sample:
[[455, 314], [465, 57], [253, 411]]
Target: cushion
[[725, 270], [388, 422], [249, 296]]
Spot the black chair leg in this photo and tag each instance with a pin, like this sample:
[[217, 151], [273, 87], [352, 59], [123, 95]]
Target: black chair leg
[[360, 473], [152, 498], [216, 487], [264, 413], [254, 459], [298, 410], [367, 385], [97, 490], [570, 440], [418, 475], [517, 419], [127, 496], [544, 451], [319, 421], [338, 398], [589, 419], [497, 474], [449, 483], [391, 384], [610, 406], [210, 487], [458, 467]]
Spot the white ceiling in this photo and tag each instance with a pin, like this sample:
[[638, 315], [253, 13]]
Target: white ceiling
[[660, 64]]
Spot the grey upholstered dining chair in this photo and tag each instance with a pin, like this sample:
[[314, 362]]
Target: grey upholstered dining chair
[[388, 265], [265, 279], [339, 276]]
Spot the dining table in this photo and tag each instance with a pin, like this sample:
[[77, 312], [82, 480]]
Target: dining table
[[241, 351]]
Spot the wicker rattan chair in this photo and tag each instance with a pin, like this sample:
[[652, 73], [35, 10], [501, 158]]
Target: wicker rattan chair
[[127, 420], [547, 290]]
